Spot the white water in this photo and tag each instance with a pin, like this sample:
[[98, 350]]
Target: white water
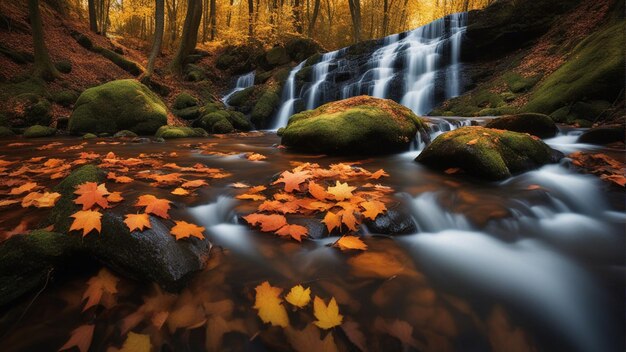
[[453, 76], [383, 59], [320, 71], [289, 98], [243, 82]]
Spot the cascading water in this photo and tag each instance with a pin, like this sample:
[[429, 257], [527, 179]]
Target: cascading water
[[243, 82], [418, 69], [289, 99]]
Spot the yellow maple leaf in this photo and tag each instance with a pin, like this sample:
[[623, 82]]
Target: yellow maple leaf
[[269, 305], [137, 222], [351, 242], [327, 315], [180, 192], [183, 229], [299, 296], [86, 220], [373, 208], [341, 191]]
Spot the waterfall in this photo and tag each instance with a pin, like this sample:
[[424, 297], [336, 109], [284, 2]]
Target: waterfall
[[418, 69], [243, 82], [289, 98]]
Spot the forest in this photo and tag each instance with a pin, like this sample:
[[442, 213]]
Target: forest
[[312, 175]]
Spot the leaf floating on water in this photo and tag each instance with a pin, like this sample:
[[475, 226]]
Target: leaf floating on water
[[86, 220], [180, 192], [318, 191], [253, 197], [293, 180], [269, 305], [268, 223], [452, 170], [99, 286], [194, 184], [255, 157], [351, 242], [239, 185], [401, 330], [81, 338], [183, 229], [299, 296], [294, 231], [378, 174], [327, 315], [115, 197], [90, 194], [29, 186], [341, 191], [309, 340]]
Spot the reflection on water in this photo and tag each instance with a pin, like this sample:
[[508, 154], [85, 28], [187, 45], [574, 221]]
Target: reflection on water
[[531, 263]]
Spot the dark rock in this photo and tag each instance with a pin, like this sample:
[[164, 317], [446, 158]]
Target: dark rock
[[539, 125], [392, 222], [603, 135]]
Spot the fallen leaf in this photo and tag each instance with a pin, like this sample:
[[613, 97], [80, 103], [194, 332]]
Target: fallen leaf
[[268, 223], [378, 174], [86, 220], [180, 192], [255, 157], [318, 191], [351, 242], [194, 184], [81, 338], [47, 200], [373, 208], [136, 343], [183, 229], [90, 194], [332, 221], [115, 197], [299, 296], [29, 186], [137, 222], [253, 197], [104, 283], [341, 191], [309, 340], [295, 231], [269, 305], [327, 315], [355, 335], [472, 142], [292, 180], [154, 205]]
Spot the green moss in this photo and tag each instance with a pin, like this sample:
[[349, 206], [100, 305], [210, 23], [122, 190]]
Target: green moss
[[37, 131], [190, 113], [118, 105], [125, 134], [89, 136], [262, 77], [169, 132], [125, 64], [6, 132], [315, 58], [185, 100], [212, 107], [304, 74], [64, 66], [264, 108], [65, 98], [222, 126], [225, 61], [359, 125], [239, 121], [539, 125], [518, 83], [60, 215], [241, 97], [594, 70], [487, 153], [277, 56], [281, 74]]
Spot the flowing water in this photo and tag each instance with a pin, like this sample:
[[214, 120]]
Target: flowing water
[[533, 263], [243, 82]]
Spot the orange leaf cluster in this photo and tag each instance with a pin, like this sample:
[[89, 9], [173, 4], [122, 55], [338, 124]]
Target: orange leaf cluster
[[602, 165]]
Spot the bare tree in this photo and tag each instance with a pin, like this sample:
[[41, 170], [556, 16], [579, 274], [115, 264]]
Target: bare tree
[[189, 36], [43, 65], [316, 10], [159, 18], [355, 13]]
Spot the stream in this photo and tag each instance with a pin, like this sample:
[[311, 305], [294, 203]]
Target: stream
[[533, 263]]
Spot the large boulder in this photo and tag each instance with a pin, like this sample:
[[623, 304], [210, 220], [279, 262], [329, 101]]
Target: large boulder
[[603, 135], [118, 105], [37, 131], [358, 125], [487, 153], [170, 132], [539, 125]]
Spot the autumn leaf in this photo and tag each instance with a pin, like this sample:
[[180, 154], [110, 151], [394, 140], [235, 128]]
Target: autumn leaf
[[378, 174], [47, 200], [115, 197], [351, 242], [180, 192], [327, 315], [183, 229], [292, 180], [255, 157], [309, 340], [332, 221], [30, 199], [299, 296], [269, 305], [29, 186], [104, 283], [154, 205], [472, 142], [137, 222], [86, 220], [294, 231], [6, 202], [253, 197], [348, 218], [194, 184], [81, 338], [239, 185], [318, 191], [136, 343], [90, 194], [268, 223], [373, 208], [341, 191]]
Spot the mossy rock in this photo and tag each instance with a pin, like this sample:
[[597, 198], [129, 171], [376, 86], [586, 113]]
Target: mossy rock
[[305, 74], [6, 132], [33, 110], [239, 121], [64, 66], [212, 107], [65, 98], [185, 100], [37, 131], [241, 97], [125, 134], [594, 70], [64, 207], [224, 61], [170, 132], [277, 56], [358, 125], [587, 111], [190, 113], [125, 64], [215, 122], [539, 125], [518, 83], [262, 77], [27, 261], [118, 105], [487, 153], [89, 136], [264, 108], [280, 75], [300, 48]]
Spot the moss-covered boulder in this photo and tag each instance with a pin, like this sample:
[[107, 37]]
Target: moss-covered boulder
[[125, 134], [301, 48], [265, 108], [89, 136], [185, 100], [170, 132], [37, 131], [64, 66], [65, 98], [223, 121], [241, 97], [487, 153], [6, 132], [28, 260], [358, 125], [190, 113], [539, 125], [29, 109], [118, 105], [277, 56]]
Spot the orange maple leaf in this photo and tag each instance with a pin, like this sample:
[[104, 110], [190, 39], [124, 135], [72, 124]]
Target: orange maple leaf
[[332, 221], [180, 192], [90, 194], [137, 222], [194, 184], [341, 191], [183, 229], [295, 231], [154, 205], [255, 157], [373, 208], [103, 283], [378, 174], [351, 242], [28, 186], [81, 338], [115, 197], [292, 180], [318, 191], [268, 223], [86, 220]]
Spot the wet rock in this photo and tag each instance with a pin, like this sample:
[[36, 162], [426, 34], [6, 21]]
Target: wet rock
[[277, 56], [6, 132], [89, 136], [169, 132], [139, 140], [603, 135], [487, 153], [37, 131], [539, 125], [392, 222], [125, 134], [359, 125]]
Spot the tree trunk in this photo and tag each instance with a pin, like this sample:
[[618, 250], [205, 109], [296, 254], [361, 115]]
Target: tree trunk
[[213, 22], [355, 13], [297, 16], [230, 13], [43, 67], [93, 23], [250, 18], [316, 10], [159, 18], [385, 17], [189, 36]]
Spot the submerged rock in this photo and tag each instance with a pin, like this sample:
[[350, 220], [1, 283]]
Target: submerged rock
[[603, 135], [358, 125], [118, 105], [37, 131], [539, 125], [169, 132], [488, 153]]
